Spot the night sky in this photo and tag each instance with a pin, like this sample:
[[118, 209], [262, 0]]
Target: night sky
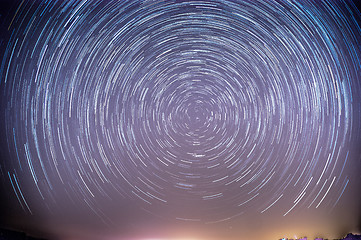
[[180, 119]]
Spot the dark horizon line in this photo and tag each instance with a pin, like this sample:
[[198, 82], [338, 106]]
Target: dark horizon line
[[13, 234]]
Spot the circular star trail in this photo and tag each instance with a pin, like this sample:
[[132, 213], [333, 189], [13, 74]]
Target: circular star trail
[[192, 110]]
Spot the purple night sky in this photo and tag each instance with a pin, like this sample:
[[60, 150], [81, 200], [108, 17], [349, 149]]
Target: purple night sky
[[176, 119]]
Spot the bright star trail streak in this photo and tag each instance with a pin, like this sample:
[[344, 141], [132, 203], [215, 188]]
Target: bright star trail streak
[[132, 117]]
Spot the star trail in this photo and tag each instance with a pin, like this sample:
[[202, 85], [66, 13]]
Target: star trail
[[206, 113]]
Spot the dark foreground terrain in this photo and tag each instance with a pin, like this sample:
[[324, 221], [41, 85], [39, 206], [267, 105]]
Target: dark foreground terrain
[[14, 235], [351, 236]]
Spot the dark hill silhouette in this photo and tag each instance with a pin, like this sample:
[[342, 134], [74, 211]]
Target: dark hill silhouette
[[351, 236], [15, 235]]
